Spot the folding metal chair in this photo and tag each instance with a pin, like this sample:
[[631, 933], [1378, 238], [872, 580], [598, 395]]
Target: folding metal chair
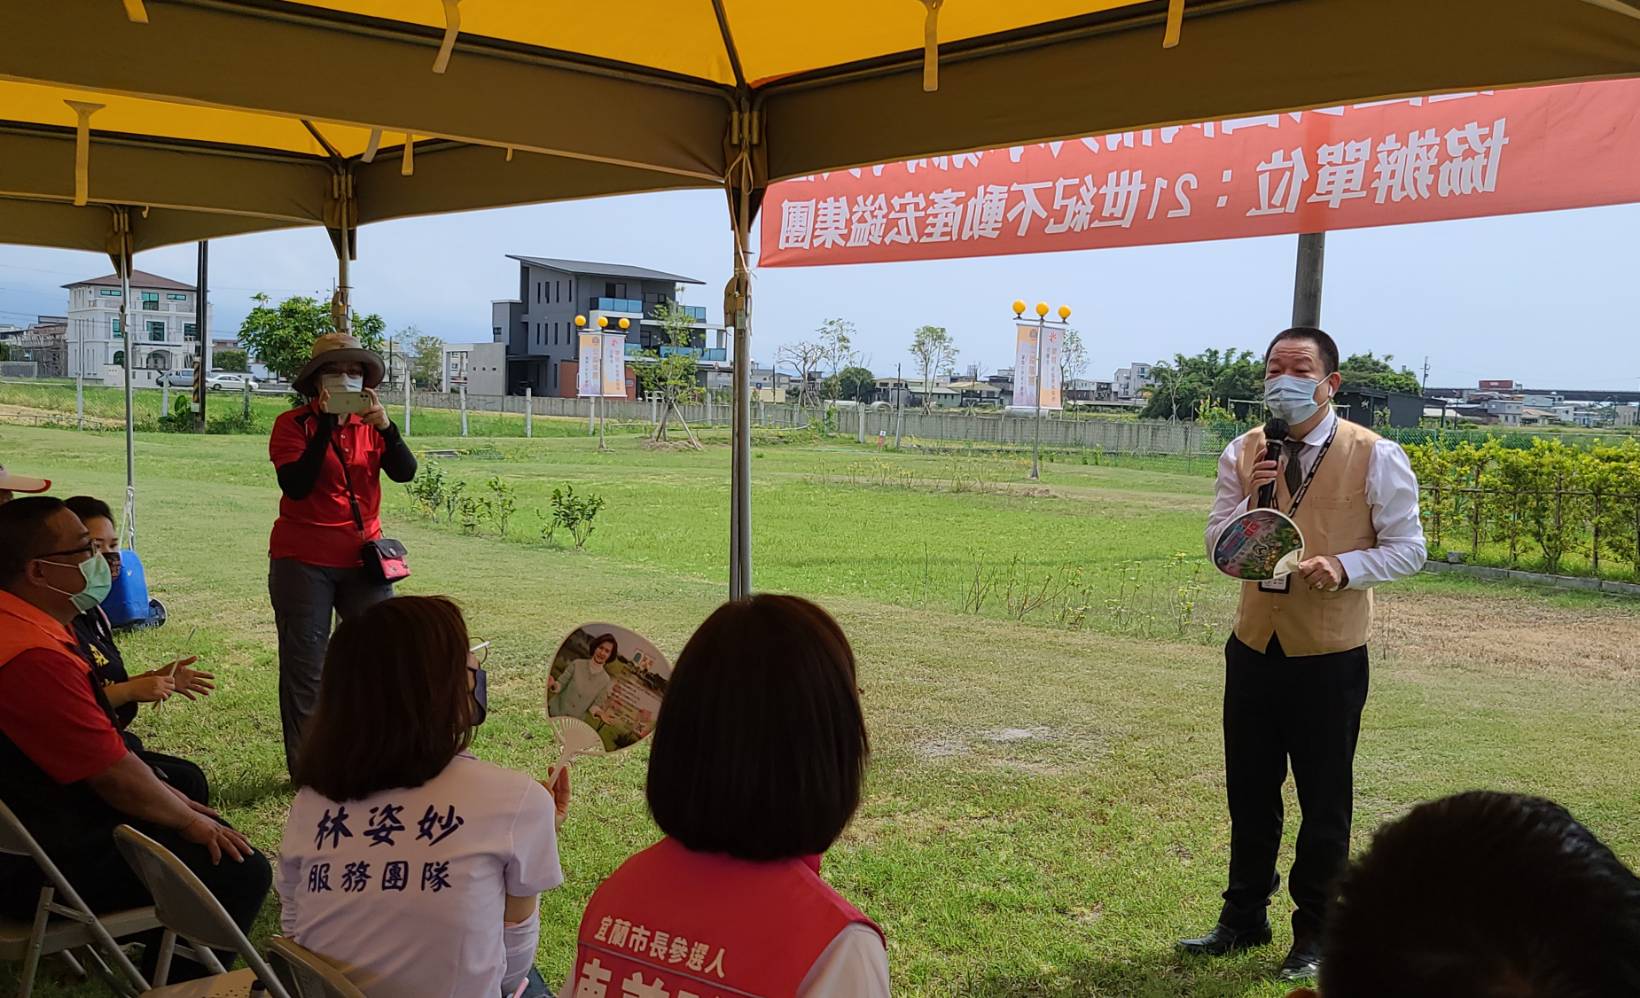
[[63, 923], [307, 974], [187, 909]]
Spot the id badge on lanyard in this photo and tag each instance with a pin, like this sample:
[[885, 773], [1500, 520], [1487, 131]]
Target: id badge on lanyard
[[1284, 585]]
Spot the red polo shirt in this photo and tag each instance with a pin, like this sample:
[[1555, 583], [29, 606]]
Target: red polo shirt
[[47, 708], [319, 529]]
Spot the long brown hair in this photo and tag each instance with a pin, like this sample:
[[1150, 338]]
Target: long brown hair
[[394, 707], [760, 749]]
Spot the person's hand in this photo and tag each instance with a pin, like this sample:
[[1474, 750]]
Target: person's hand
[[1323, 572], [324, 400], [148, 688], [375, 415], [191, 683], [1264, 473], [553, 685], [559, 788], [218, 839]]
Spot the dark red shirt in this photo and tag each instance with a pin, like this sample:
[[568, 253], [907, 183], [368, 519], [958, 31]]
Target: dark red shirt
[[319, 529], [47, 707]]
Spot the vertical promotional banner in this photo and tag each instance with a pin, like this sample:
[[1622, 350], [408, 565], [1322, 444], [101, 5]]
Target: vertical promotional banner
[[1053, 341], [589, 377], [614, 365], [1025, 381]]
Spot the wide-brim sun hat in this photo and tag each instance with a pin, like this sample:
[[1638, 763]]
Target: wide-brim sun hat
[[21, 483], [338, 348]]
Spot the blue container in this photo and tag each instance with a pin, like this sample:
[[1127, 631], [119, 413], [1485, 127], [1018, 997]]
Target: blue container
[[127, 602]]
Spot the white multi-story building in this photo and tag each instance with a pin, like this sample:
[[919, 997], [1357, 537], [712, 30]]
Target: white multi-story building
[[1130, 381], [163, 331]]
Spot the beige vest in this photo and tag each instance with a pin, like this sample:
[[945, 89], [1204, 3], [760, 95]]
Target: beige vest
[[1334, 518]]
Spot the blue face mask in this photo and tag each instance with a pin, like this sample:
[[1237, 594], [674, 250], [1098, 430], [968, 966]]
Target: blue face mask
[[1291, 398]]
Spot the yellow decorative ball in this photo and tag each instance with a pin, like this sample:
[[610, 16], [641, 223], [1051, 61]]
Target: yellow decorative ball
[[1019, 306], [1041, 308], [1064, 313], [603, 322], [626, 323], [580, 320]]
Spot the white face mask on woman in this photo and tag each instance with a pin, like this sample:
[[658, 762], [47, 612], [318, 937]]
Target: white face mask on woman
[[334, 383]]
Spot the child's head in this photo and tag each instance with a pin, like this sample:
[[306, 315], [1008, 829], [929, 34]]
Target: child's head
[[760, 749]]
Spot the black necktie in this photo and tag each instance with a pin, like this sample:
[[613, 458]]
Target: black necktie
[[1294, 473]]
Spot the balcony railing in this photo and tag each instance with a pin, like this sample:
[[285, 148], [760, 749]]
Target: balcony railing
[[631, 306], [695, 312]]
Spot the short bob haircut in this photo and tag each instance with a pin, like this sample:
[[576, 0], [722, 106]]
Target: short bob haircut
[[760, 748], [1484, 895], [1324, 345], [394, 705], [89, 508], [607, 639]]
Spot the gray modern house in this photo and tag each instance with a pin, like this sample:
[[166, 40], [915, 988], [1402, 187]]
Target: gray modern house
[[538, 327]]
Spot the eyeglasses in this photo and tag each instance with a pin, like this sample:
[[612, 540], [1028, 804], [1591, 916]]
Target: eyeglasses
[[480, 652]]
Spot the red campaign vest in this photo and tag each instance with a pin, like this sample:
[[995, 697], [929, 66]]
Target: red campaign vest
[[708, 925]]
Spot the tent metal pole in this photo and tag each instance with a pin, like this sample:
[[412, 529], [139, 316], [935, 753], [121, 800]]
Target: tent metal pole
[[130, 349], [1312, 251]]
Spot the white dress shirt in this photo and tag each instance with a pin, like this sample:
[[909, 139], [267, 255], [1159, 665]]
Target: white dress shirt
[[1392, 492]]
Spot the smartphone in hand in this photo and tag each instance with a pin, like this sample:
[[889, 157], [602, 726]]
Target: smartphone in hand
[[342, 403]]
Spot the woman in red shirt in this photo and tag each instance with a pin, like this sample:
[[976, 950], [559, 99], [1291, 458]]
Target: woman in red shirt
[[329, 466]]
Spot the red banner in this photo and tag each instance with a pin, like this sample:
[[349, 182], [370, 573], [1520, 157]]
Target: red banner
[[1419, 159]]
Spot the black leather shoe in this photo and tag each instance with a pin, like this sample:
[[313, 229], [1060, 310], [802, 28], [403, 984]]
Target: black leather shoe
[[1224, 940], [1303, 961]]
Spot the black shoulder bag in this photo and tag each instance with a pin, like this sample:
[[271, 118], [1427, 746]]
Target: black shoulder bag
[[385, 560]]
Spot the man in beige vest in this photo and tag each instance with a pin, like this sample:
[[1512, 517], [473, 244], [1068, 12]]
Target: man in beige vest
[[1296, 664]]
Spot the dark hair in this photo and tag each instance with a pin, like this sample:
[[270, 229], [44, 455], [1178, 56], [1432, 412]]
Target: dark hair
[[1324, 345], [394, 707], [89, 508], [23, 533], [760, 747], [1484, 894], [607, 639]]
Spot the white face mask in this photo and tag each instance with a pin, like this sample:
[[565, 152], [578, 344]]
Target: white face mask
[[341, 382]]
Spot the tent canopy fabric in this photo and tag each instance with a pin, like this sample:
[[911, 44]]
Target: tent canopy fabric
[[214, 117]]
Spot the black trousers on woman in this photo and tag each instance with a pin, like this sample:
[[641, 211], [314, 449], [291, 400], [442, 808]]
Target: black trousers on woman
[[1307, 711]]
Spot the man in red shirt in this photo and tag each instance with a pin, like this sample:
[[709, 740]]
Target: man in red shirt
[[64, 769]]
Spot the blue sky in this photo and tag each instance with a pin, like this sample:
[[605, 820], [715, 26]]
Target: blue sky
[[1550, 299]]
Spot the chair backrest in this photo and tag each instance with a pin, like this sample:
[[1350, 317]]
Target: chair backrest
[[185, 905], [14, 838], [306, 973]]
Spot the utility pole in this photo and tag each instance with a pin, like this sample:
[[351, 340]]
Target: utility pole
[[202, 368], [899, 403], [1426, 375], [1312, 250]]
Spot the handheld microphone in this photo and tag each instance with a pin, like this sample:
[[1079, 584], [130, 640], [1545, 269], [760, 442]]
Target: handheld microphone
[[1275, 431]]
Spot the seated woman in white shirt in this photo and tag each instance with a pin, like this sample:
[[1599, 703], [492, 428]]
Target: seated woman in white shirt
[[414, 866], [759, 755]]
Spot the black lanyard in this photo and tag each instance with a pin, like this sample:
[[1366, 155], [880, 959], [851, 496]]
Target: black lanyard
[[347, 481], [1304, 486]]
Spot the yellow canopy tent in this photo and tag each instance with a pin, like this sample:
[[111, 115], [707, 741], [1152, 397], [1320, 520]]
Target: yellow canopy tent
[[139, 123]]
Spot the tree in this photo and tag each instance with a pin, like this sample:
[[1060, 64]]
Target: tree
[[1211, 378], [805, 358], [426, 357], [281, 336], [231, 360], [1073, 359], [853, 382], [1363, 370], [672, 375], [935, 353], [836, 340]]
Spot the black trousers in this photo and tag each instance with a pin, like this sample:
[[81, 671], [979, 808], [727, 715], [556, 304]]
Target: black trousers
[[1306, 710]]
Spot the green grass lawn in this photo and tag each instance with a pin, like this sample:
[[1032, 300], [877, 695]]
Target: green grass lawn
[[1045, 812]]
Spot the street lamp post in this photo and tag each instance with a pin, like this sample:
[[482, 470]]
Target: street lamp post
[[1041, 325]]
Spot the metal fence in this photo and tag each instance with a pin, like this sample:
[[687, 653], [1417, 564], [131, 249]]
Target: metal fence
[[1006, 429]]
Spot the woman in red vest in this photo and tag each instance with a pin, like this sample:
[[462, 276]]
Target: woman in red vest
[[759, 756]]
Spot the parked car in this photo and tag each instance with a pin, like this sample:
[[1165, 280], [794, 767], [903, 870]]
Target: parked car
[[216, 381]]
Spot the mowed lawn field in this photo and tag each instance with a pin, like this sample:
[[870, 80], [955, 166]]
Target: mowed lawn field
[[1045, 810]]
